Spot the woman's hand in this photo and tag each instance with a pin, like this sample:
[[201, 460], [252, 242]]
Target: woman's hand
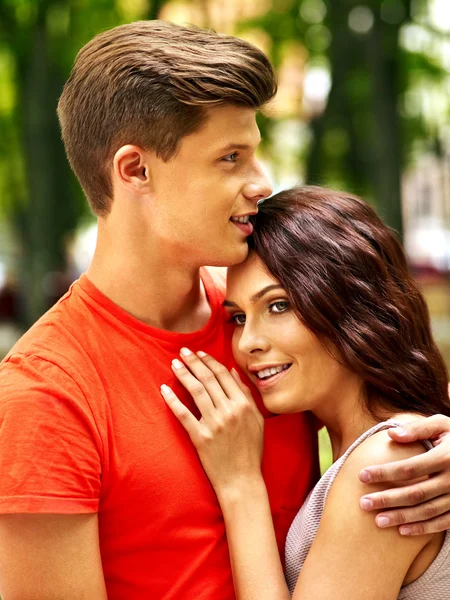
[[229, 435]]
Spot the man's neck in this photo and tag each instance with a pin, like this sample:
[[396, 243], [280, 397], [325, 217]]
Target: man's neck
[[163, 295]]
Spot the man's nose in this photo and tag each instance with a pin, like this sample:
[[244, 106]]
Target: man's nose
[[259, 187]]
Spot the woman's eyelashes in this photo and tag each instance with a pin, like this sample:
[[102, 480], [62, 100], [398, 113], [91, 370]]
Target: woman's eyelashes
[[280, 306], [274, 308], [238, 319]]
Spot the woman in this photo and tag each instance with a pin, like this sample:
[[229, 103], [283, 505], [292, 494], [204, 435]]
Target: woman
[[327, 319]]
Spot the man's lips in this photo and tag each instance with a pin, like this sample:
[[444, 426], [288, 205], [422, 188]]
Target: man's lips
[[243, 222], [246, 228]]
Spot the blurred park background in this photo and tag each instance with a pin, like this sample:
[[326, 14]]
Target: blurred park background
[[363, 104]]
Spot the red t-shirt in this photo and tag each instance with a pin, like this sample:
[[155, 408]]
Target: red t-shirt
[[83, 428]]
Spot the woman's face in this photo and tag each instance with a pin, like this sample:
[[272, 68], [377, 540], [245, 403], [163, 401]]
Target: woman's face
[[290, 366]]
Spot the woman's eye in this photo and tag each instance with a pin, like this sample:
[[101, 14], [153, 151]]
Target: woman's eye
[[279, 307], [231, 157], [238, 319]]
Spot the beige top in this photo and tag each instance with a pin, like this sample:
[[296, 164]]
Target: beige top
[[434, 584]]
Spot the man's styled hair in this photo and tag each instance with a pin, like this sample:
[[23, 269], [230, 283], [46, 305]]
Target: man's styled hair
[[149, 83], [348, 280]]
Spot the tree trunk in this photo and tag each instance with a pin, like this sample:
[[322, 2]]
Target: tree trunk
[[51, 212], [382, 44], [373, 161]]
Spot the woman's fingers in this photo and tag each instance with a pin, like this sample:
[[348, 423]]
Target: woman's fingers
[[231, 385], [211, 384], [201, 395], [229, 436], [182, 413], [205, 376], [230, 381], [247, 393], [244, 389]]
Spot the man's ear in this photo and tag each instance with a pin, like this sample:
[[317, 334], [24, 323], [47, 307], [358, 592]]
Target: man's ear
[[131, 169]]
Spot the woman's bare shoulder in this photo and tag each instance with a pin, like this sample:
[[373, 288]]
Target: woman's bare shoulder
[[379, 449]]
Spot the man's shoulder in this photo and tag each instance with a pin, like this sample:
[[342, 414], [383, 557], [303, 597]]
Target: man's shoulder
[[48, 365], [47, 333], [58, 337]]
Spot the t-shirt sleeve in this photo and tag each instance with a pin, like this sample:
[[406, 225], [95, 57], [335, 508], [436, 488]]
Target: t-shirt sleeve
[[50, 447]]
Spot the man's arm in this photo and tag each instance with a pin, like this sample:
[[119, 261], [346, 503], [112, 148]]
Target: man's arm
[[50, 557], [423, 507]]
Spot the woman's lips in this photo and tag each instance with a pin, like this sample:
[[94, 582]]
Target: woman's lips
[[264, 384]]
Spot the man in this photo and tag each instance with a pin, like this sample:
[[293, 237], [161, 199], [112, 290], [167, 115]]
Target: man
[[101, 493]]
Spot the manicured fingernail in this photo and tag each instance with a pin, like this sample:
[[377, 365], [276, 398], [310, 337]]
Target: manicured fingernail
[[366, 504], [201, 354], [185, 351], [383, 521], [365, 476], [177, 364], [405, 530], [165, 389]]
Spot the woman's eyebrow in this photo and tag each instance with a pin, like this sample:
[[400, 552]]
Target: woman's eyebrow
[[228, 303], [258, 295]]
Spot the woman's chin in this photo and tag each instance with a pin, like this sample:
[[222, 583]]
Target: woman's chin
[[280, 404]]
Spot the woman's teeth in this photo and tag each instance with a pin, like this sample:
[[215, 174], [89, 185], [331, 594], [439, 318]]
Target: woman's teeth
[[271, 371], [240, 219]]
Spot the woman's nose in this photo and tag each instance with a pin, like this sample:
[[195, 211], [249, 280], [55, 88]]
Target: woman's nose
[[251, 342]]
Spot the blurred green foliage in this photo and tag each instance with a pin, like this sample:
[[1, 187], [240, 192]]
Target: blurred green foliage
[[364, 137], [39, 196], [361, 140]]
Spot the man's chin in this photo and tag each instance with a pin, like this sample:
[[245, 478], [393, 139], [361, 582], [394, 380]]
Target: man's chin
[[232, 258], [240, 254]]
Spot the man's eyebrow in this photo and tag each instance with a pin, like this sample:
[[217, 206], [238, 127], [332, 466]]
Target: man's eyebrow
[[229, 147], [258, 295]]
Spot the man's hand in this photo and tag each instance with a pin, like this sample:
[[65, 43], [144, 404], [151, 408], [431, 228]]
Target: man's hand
[[424, 506]]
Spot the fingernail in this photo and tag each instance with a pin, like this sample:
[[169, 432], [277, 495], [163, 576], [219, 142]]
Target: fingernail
[[165, 389], [383, 521], [400, 431], [185, 351], [177, 364], [366, 504], [405, 530], [201, 354], [365, 476]]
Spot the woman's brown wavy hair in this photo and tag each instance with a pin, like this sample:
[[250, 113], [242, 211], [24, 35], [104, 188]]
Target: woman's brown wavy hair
[[347, 277]]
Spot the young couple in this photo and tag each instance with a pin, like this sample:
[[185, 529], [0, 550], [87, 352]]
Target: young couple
[[102, 494]]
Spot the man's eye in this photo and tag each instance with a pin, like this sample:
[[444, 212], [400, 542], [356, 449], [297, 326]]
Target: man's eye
[[279, 307], [238, 319], [231, 157]]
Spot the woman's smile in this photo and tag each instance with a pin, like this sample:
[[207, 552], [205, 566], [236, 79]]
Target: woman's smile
[[267, 377]]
